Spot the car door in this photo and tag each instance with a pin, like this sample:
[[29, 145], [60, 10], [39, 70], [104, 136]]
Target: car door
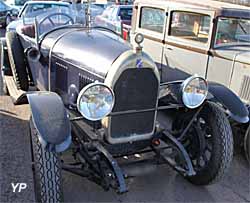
[[187, 43], [151, 23]]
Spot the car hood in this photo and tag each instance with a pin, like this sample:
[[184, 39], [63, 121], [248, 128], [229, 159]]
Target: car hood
[[237, 53], [95, 50]]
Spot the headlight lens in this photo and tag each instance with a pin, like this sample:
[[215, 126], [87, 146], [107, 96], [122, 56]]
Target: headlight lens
[[194, 91], [95, 101]]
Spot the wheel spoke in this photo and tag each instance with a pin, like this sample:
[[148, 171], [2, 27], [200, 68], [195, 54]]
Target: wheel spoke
[[204, 157], [208, 147]]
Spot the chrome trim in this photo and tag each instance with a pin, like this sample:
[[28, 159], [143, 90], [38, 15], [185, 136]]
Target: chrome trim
[[186, 82], [89, 86], [125, 61]]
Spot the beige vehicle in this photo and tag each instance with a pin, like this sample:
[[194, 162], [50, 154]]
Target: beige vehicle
[[208, 38]]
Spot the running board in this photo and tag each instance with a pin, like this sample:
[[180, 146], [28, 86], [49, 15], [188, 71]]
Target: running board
[[18, 96]]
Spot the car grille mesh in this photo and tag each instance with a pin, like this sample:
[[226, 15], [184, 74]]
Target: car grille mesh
[[84, 80], [245, 88], [136, 89], [61, 77]]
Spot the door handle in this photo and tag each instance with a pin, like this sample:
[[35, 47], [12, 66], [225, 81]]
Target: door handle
[[169, 48]]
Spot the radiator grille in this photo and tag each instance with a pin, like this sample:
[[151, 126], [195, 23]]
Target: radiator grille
[[245, 88], [136, 89], [61, 77], [84, 80]]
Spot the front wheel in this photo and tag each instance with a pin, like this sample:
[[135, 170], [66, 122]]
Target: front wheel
[[209, 143], [47, 171], [17, 61]]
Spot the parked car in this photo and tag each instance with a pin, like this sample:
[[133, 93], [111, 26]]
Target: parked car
[[7, 14], [114, 17], [33, 6], [103, 105], [81, 9], [103, 5], [17, 4], [208, 38]]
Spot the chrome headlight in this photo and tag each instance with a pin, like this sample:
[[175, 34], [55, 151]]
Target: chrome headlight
[[95, 101], [194, 91]]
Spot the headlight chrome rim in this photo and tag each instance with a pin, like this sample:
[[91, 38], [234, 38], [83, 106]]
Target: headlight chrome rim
[[86, 88], [186, 83]]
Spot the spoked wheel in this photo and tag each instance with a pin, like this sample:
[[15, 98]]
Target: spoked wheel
[[209, 143]]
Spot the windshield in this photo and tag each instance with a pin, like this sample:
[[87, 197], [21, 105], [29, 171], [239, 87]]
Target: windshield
[[232, 31], [125, 13], [47, 20], [20, 2], [30, 8]]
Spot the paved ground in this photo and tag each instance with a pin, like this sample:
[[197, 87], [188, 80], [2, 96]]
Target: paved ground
[[162, 184]]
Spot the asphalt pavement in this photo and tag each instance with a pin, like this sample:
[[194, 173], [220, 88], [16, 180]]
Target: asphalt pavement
[[160, 184]]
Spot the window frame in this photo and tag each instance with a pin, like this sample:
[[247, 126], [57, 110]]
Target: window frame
[[214, 45], [149, 30], [189, 12], [190, 43]]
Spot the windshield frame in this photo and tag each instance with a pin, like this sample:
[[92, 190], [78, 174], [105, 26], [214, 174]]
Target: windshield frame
[[215, 45], [34, 22]]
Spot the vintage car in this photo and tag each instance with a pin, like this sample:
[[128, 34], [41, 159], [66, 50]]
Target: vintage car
[[208, 38], [33, 6], [94, 95], [7, 14]]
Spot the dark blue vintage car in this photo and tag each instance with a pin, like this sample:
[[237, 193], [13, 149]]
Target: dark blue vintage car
[[93, 94]]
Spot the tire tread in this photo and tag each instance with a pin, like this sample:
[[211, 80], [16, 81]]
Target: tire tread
[[17, 62], [48, 169]]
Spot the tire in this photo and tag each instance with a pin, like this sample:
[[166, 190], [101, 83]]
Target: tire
[[47, 171], [246, 145], [222, 146], [5, 65], [17, 61]]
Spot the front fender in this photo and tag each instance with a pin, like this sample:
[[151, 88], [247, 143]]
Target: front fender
[[237, 109], [50, 120]]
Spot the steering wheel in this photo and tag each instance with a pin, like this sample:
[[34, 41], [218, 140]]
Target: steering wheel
[[50, 19]]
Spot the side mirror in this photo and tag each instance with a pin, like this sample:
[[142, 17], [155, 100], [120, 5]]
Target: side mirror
[[33, 54]]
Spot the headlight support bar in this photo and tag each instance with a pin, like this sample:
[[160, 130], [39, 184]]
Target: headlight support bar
[[159, 108]]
